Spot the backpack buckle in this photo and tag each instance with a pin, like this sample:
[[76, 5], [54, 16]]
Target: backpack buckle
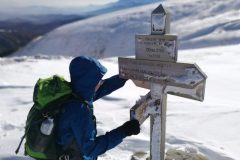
[[64, 157], [46, 114]]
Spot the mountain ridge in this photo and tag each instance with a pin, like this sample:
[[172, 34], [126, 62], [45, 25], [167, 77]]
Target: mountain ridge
[[102, 35]]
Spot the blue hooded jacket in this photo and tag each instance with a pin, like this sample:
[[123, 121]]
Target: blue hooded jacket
[[76, 123]]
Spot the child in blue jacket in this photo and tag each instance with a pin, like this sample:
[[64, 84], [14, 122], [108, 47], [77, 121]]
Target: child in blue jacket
[[77, 125]]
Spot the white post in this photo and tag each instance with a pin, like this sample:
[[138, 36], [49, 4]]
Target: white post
[[158, 123]]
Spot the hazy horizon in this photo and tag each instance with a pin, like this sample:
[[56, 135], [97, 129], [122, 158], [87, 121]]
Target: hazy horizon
[[5, 4]]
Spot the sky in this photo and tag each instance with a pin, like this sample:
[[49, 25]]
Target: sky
[[51, 3]]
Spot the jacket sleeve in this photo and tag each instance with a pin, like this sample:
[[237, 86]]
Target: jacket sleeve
[[109, 85], [84, 131]]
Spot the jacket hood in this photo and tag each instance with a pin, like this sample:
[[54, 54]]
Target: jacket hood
[[85, 73]]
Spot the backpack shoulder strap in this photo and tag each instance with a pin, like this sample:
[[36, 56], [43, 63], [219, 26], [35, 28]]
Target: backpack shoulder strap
[[81, 99]]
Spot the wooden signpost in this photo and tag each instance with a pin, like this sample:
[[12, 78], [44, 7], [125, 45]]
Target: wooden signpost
[[156, 68]]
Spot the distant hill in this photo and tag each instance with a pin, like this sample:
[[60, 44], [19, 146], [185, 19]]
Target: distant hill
[[15, 33], [30, 22], [197, 23]]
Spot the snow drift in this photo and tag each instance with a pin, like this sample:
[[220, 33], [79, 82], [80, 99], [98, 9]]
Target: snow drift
[[212, 127]]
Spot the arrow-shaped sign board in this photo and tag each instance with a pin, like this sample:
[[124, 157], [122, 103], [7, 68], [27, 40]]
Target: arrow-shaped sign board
[[166, 73]]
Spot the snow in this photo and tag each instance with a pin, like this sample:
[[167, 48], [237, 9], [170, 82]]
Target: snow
[[197, 23], [212, 126]]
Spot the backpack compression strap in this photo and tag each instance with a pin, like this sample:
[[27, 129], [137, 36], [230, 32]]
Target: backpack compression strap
[[17, 150]]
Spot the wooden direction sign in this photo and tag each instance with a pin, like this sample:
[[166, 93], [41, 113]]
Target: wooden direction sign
[[155, 68], [156, 47], [139, 110], [170, 74], [181, 79]]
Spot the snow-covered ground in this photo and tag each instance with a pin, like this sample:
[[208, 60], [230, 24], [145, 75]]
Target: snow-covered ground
[[198, 23], [212, 126]]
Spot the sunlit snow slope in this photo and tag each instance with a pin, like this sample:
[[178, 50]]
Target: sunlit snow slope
[[198, 23]]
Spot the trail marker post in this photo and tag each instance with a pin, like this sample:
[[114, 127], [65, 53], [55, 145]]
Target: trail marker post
[[155, 67]]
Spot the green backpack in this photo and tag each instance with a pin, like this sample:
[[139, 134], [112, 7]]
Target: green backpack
[[49, 95]]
